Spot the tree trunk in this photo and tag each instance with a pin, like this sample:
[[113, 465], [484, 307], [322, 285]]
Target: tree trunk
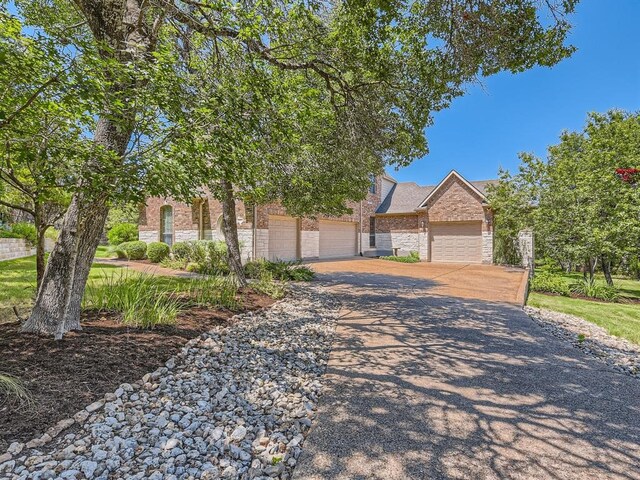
[[590, 268], [606, 269], [59, 299], [41, 228], [230, 226]]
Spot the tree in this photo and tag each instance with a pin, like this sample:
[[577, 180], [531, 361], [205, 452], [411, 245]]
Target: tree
[[41, 135], [583, 213], [417, 57]]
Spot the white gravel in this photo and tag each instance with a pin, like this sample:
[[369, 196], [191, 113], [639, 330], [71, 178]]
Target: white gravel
[[590, 338], [236, 402]]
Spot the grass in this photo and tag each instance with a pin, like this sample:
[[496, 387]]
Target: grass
[[19, 284], [628, 287], [104, 251], [621, 320]]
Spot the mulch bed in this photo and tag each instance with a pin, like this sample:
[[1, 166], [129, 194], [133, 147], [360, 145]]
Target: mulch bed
[[628, 300], [65, 376]]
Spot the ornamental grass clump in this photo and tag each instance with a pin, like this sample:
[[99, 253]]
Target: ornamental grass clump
[[213, 291], [597, 290], [142, 301]]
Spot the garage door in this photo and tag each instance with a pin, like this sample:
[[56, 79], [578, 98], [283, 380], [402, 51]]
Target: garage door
[[337, 239], [456, 242], [283, 238]]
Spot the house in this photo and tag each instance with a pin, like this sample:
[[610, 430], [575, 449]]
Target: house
[[448, 222]]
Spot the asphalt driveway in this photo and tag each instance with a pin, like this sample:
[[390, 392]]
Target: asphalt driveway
[[426, 385]]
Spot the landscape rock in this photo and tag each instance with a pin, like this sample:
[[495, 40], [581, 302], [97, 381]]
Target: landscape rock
[[619, 353], [235, 402]]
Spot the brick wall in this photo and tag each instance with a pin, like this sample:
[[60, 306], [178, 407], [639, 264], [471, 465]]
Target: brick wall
[[455, 202]]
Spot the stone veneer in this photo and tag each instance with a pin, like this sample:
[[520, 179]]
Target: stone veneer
[[187, 223], [454, 201]]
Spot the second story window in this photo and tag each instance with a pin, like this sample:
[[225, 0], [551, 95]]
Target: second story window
[[372, 185]]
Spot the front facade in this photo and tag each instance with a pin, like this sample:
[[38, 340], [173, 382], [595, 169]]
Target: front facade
[[449, 222]]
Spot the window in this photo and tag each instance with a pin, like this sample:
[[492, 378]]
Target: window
[[372, 186], [372, 231], [166, 225]]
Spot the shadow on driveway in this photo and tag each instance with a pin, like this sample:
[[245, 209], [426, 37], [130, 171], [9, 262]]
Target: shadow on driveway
[[421, 386]]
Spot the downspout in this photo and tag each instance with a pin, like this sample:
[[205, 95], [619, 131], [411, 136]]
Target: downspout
[[360, 239], [255, 230], [201, 222]]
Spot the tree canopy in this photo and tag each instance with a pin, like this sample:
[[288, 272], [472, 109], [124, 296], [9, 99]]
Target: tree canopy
[[580, 209], [351, 86]]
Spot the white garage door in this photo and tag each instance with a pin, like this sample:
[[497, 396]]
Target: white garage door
[[456, 242], [283, 238], [337, 239]]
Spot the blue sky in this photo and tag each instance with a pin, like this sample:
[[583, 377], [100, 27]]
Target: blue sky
[[508, 113]]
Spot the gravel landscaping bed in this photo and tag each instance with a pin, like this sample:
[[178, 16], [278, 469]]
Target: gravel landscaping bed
[[236, 402], [590, 338]]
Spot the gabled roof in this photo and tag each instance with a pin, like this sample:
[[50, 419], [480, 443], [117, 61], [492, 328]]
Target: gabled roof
[[453, 173], [405, 197]]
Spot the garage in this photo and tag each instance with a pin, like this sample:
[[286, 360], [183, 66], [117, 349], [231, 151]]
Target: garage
[[456, 242], [283, 238], [337, 239]]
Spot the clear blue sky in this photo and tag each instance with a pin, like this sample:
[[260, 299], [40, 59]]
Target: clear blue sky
[[508, 114]]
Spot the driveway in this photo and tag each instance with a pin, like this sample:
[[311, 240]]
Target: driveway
[[425, 384]]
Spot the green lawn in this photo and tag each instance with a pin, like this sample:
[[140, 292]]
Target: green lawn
[[619, 319], [104, 251], [19, 282]]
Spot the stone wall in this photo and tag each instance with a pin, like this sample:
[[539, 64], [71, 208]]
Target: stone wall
[[11, 248]]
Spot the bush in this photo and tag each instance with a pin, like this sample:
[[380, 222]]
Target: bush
[[280, 270], [25, 230], [593, 289], [119, 252], [157, 251], [181, 250], [8, 234], [143, 302], [413, 257], [549, 283], [122, 232], [134, 250], [266, 284], [202, 256]]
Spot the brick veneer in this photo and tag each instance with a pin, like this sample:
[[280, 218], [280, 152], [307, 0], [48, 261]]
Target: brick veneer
[[186, 220], [454, 201]]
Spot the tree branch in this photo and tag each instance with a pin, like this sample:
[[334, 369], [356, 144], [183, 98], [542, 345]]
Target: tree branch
[[4, 123]]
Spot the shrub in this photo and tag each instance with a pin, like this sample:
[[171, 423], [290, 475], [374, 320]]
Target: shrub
[[413, 257], [549, 283], [280, 270], [593, 289], [173, 264], [268, 285], [122, 232], [157, 251], [8, 234], [181, 250], [142, 301], [25, 230], [119, 252], [134, 250]]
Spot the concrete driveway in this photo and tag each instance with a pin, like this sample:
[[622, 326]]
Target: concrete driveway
[[426, 385]]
